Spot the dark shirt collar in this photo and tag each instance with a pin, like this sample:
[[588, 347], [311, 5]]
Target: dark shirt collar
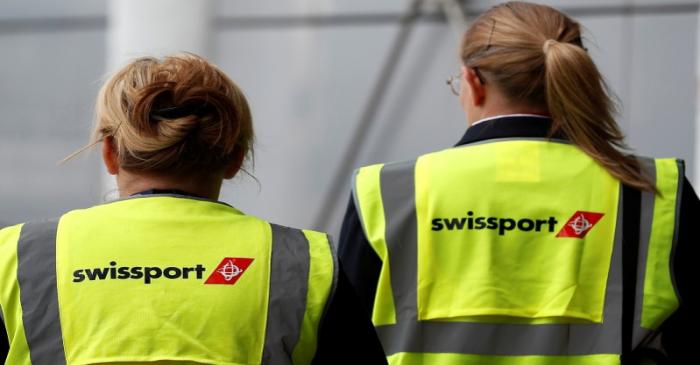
[[176, 193], [166, 192], [509, 126]]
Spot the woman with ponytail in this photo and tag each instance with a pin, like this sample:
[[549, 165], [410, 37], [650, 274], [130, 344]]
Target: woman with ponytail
[[538, 239]]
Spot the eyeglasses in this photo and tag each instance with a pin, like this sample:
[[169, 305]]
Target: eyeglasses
[[454, 81]]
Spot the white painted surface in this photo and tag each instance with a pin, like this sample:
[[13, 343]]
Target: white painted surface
[[157, 28]]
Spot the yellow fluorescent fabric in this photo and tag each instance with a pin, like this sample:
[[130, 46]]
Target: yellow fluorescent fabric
[[659, 295], [9, 297], [368, 196], [320, 283], [462, 359], [160, 234], [520, 273]]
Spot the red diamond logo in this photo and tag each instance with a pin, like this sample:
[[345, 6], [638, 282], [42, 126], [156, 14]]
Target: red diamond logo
[[229, 271], [579, 224]]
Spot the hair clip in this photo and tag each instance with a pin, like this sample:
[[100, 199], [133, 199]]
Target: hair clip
[[175, 112], [493, 27]]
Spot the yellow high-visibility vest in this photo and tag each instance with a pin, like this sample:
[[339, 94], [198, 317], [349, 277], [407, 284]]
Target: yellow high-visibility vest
[[509, 252], [163, 278]]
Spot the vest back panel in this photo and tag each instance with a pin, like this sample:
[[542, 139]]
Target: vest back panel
[[189, 277], [518, 238]]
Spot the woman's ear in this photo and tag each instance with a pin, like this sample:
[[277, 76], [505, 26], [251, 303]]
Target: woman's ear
[[236, 163], [109, 156], [476, 92]]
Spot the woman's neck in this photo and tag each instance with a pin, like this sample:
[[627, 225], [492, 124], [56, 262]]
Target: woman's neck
[[496, 104]]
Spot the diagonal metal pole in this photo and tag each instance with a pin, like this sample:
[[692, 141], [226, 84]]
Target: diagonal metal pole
[[455, 15], [336, 192]]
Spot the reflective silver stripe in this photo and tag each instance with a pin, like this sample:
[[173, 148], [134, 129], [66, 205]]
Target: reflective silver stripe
[[289, 278], [640, 334], [499, 339], [398, 195], [36, 274], [410, 335], [334, 282]]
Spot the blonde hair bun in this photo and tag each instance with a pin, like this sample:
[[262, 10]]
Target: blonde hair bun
[[176, 114]]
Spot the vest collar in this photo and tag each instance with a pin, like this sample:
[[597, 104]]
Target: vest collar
[[508, 126]]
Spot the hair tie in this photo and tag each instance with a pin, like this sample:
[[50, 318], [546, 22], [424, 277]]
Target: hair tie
[[548, 43]]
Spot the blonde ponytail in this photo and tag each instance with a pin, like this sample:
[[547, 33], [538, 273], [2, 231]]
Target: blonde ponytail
[[581, 108]]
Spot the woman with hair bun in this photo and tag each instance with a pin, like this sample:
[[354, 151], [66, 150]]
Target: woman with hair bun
[[168, 274], [538, 239]]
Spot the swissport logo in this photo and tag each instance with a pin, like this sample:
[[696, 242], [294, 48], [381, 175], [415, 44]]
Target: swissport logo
[[576, 227], [580, 224], [229, 271]]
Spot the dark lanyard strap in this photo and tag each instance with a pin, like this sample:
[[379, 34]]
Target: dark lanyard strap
[[631, 217]]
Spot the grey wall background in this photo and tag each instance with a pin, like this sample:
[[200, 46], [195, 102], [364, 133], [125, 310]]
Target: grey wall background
[[307, 67]]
